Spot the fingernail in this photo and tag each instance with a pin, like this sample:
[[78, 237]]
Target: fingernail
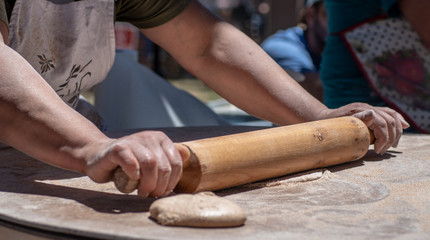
[[378, 150], [405, 124], [384, 150], [396, 143], [144, 195], [167, 193]]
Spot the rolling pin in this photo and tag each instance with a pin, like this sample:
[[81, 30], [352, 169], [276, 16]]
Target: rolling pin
[[231, 160]]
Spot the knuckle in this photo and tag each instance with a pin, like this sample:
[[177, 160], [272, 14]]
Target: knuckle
[[361, 106], [153, 135], [176, 164], [148, 160], [391, 122], [121, 153], [119, 147], [165, 170], [388, 110], [355, 104]]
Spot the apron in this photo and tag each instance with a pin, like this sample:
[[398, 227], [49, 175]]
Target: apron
[[396, 64], [71, 45]]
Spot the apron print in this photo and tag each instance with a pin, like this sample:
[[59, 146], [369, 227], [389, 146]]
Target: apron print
[[77, 73], [45, 63]]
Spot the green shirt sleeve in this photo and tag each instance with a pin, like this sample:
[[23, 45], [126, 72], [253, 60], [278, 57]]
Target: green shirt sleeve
[[3, 15], [148, 13]]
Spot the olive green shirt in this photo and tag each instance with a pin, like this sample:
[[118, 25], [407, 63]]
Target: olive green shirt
[[141, 13]]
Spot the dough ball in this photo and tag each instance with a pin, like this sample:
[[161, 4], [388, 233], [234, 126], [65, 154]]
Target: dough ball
[[203, 209]]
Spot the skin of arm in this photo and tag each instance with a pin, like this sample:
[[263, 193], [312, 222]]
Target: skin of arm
[[416, 13], [234, 66], [239, 70], [36, 121]]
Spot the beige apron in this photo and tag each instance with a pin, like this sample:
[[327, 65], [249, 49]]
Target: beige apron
[[71, 45]]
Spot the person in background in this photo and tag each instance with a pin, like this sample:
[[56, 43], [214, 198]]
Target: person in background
[[298, 49], [52, 50], [341, 75]]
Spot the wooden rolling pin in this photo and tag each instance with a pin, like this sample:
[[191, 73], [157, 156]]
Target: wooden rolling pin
[[226, 161]]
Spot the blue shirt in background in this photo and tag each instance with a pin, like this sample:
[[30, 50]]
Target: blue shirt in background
[[290, 50]]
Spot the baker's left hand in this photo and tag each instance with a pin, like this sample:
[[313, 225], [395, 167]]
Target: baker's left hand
[[386, 124]]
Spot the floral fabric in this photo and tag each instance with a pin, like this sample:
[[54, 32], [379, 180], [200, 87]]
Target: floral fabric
[[396, 64]]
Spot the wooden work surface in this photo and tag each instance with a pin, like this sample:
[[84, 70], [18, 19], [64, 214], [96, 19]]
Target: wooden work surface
[[378, 197]]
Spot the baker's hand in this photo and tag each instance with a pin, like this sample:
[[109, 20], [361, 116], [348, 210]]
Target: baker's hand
[[386, 124], [149, 156]]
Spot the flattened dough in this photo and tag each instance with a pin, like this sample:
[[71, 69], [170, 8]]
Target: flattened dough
[[203, 209]]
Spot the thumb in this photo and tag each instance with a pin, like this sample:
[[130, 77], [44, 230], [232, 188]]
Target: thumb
[[184, 151]]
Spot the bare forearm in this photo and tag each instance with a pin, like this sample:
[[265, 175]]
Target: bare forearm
[[235, 67], [254, 81], [35, 120]]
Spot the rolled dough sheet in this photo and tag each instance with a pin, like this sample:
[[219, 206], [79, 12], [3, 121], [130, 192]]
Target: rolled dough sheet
[[203, 209]]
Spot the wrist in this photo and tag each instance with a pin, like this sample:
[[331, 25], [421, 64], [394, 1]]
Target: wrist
[[78, 158], [323, 113]]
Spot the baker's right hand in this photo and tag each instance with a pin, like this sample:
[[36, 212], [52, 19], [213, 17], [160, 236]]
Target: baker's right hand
[[386, 124], [149, 156]]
